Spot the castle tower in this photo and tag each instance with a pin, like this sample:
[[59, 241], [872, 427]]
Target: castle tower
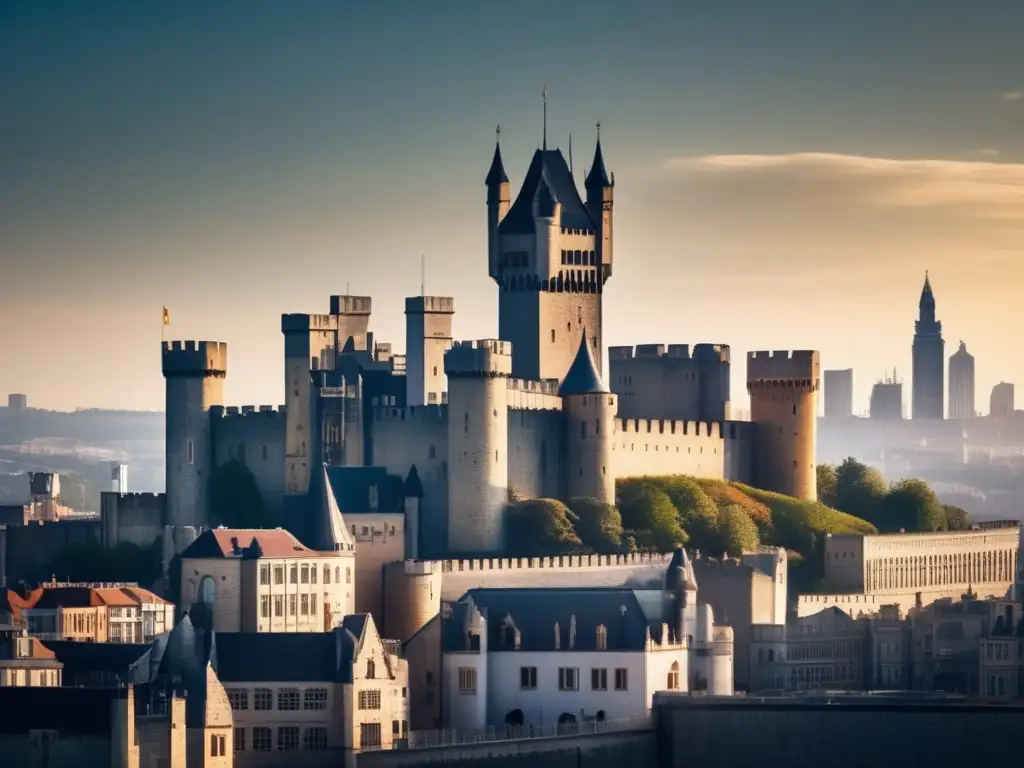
[[498, 197], [550, 258], [783, 389], [195, 373], [428, 335], [590, 423], [478, 374], [928, 359]]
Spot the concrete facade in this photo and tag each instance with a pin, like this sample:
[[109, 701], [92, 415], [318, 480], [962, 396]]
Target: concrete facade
[[961, 384], [839, 393]]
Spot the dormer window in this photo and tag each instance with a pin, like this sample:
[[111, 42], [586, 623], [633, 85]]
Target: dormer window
[[602, 637]]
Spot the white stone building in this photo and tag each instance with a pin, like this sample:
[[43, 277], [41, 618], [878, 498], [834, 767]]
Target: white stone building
[[541, 657]]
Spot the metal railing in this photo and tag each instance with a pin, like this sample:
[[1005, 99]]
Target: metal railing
[[450, 737]]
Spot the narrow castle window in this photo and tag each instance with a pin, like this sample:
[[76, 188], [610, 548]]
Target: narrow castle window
[[552, 341], [602, 638], [465, 423], [433, 452], [597, 427], [190, 451], [583, 429]]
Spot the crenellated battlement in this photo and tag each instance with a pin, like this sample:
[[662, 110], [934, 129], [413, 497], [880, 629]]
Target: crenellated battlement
[[422, 413], [484, 358], [424, 305], [297, 322], [713, 429], [255, 411], [351, 305], [556, 562], [788, 369], [194, 359], [701, 353]]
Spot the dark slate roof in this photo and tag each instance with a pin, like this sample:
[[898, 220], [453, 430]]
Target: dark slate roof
[[547, 169], [129, 662], [496, 175], [598, 176], [582, 378], [413, 487], [71, 711], [534, 613], [927, 297], [351, 486], [182, 666]]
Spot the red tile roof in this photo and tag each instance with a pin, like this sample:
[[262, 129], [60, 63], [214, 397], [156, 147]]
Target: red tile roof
[[228, 542]]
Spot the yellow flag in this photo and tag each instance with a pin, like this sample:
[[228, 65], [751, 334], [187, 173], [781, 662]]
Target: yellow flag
[[167, 317]]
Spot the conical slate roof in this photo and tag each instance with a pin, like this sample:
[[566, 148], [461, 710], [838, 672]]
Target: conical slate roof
[[598, 176], [496, 175], [927, 297], [582, 378]]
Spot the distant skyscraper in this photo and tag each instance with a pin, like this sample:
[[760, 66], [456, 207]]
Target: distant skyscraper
[[839, 394], [119, 478], [929, 359], [887, 399], [961, 384], [1001, 402]]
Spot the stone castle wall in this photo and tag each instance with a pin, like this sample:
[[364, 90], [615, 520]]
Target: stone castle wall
[[136, 518], [722, 450], [668, 382], [255, 436], [536, 453]]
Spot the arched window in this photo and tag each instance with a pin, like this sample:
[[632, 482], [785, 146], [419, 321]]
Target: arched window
[[673, 677], [371, 669], [602, 637], [208, 590]]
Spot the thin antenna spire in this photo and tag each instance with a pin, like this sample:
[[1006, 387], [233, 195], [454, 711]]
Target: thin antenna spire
[[423, 274], [497, 135], [598, 130], [544, 95]]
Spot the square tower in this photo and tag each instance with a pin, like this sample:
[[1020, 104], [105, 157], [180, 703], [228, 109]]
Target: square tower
[[428, 335]]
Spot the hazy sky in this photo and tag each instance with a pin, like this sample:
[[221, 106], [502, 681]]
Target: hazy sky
[[785, 174]]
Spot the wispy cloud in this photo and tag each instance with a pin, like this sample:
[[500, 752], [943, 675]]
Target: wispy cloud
[[1012, 95], [975, 189]]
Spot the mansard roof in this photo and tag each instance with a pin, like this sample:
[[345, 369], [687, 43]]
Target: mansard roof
[[582, 378], [547, 169], [626, 615]]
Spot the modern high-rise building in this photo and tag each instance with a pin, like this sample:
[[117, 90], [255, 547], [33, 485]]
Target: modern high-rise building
[[839, 394], [961, 384], [887, 399], [1001, 402], [929, 359]]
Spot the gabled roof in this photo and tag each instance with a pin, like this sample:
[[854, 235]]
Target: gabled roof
[[582, 377], [549, 170], [233, 543], [626, 615]]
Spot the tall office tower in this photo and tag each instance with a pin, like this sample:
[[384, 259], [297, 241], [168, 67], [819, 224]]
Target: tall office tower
[[839, 394], [928, 359], [961, 384], [887, 399], [1001, 402]]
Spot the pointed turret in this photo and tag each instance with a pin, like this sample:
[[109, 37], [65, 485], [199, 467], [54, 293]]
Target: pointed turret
[[496, 175], [598, 176], [582, 378], [499, 195], [600, 202], [927, 297]]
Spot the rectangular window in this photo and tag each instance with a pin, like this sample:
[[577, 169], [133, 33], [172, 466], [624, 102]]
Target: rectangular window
[[467, 680], [528, 678], [238, 698], [278, 605], [293, 572], [292, 603], [264, 575], [239, 739], [315, 738], [348, 575], [568, 679], [263, 698], [621, 679], [261, 739], [314, 698], [369, 699], [304, 605], [279, 574], [190, 456], [288, 699], [305, 574], [312, 575], [599, 679], [312, 603], [287, 738], [265, 606], [327, 574], [369, 734], [218, 745]]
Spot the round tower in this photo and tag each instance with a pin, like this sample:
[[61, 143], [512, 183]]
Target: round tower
[[590, 423], [783, 389], [478, 373], [195, 372]]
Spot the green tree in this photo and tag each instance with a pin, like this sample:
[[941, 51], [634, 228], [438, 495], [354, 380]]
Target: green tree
[[539, 527], [957, 518], [737, 533], [236, 501], [697, 512], [827, 483], [911, 505], [859, 489], [650, 514], [598, 525]]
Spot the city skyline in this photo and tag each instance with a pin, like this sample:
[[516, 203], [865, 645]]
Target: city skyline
[[234, 167]]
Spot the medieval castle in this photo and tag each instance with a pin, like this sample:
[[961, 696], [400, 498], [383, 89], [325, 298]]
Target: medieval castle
[[470, 424]]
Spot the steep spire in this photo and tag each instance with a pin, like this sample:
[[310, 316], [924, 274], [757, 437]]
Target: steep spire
[[582, 378], [927, 297], [496, 175], [598, 176], [545, 197]]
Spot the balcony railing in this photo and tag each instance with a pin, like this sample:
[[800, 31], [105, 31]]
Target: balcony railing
[[450, 737]]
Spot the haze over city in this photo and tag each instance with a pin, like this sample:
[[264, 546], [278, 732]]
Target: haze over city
[[785, 175]]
